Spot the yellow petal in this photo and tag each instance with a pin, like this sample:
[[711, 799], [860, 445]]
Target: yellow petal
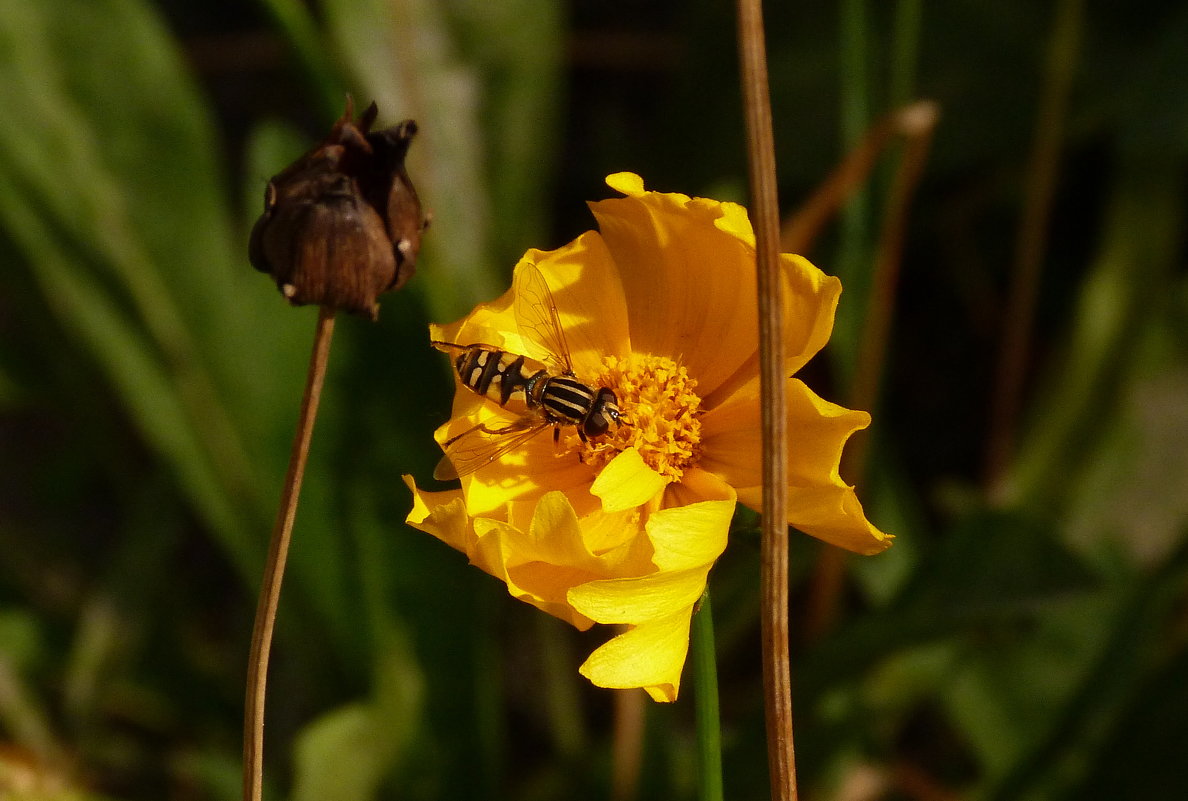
[[736, 222], [689, 286], [732, 443], [698, 485], [819, 502], [588, 294], [615, 540], [524, 473], [626, 482], [494, 540], [442, 514], [626, 182], [689, 536], [542, 564], [650, 656], [506, 553], [531, 470], [618, 540], [555, 533], [810, 302], [639, 600], [554, 539], [834, 515]]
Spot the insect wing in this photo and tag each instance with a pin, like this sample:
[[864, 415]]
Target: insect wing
[[478, 446], [536, 315], [454, 349]]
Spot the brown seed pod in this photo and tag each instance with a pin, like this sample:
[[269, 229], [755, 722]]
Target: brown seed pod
[[342, 224]]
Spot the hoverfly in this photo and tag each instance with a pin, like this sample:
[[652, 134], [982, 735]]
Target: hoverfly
[[553, 397]]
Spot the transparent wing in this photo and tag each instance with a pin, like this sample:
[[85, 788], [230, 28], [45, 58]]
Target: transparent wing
[[479, 446], [536, 315]]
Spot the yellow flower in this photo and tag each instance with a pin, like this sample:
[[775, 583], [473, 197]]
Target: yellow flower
[[658, 306]]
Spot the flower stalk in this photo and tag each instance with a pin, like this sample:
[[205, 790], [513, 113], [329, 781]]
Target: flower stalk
[[341, 225], [705, 699], [777, 678], [278, 550]]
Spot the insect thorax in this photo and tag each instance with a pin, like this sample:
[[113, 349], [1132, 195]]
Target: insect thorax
[[566, 399]]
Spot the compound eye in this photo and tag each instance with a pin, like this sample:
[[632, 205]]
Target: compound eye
[[595, 425], [602, 414], [608, 404]]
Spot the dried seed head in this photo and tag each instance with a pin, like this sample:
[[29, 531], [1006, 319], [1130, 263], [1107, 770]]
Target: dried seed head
[[342, 224]]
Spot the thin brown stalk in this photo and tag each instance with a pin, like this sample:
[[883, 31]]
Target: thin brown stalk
[[274, 569], [777, 677], [918, 123], [1031, 241]]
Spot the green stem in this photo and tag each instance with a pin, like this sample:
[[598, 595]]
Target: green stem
[[1031, 243], [705, 700], [562, 701], [854, 236], [905, 51]]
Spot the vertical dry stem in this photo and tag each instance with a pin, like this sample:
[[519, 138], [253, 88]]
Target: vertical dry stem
[[777, 678], [278, 550]]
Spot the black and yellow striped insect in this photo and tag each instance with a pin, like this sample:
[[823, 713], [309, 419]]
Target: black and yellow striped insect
[[552, 394]]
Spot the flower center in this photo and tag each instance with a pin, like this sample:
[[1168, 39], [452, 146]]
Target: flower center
[[659, 415]]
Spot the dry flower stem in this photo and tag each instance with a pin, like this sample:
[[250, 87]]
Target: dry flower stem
[[777, 677], [274, 569], [917, 122], [1032, 239]]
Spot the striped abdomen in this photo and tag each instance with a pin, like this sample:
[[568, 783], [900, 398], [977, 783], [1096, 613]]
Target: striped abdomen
[[494, 373]]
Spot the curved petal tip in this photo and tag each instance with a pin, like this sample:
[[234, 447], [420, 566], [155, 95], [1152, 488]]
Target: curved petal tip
[[628, 183]]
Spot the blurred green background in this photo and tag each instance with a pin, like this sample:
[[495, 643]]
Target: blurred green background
[[1027, 636]]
